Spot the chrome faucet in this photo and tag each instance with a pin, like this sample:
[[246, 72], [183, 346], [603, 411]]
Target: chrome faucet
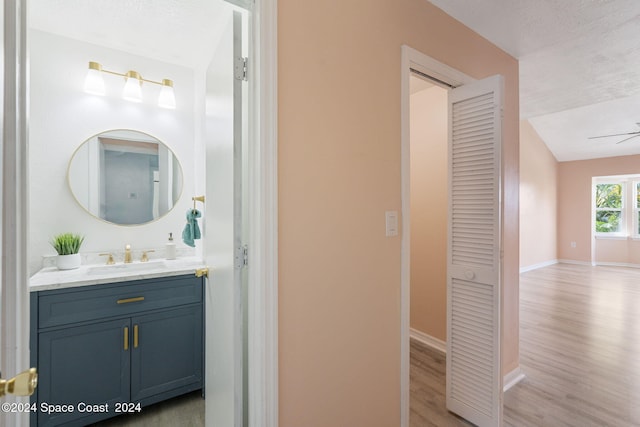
[[127, 254]]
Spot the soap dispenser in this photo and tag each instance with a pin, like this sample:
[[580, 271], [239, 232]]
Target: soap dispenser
[[171, 248]]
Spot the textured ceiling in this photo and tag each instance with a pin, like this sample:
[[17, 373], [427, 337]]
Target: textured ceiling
[[581, 55], [579, 59], [181, 32]]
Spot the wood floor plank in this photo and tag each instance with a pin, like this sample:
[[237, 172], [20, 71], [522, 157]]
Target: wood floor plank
[[579, 334], [428, 401], [182, 411], [579, 350]]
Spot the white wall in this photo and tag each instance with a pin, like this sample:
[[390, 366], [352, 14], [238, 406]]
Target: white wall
[[62, 116]]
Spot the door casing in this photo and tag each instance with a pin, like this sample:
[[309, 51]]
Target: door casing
[[413, 59], [14, 215], [263, 213]]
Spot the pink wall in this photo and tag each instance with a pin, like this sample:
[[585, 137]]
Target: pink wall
[[429, 212], [538, 199], [625, 252], [574, 209], [339, 170]]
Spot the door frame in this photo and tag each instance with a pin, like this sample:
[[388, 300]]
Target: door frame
[[263, 216], [412, 59], [14, 298]]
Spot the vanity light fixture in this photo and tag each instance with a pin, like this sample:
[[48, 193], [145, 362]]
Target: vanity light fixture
[[167, 98], [94, 83], [132, 87], [132, 91]]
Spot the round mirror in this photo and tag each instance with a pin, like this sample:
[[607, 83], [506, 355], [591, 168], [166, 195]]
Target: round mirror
[[125, 177]]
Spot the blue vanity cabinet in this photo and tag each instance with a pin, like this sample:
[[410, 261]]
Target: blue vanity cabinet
[[82, 364], [166, 353], [101, 346]]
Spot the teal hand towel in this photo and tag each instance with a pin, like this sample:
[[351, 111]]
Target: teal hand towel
[[191, 231]]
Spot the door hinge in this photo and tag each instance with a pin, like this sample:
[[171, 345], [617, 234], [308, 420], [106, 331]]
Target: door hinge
[[202, 272], [242, 256], [245, 256], [241, 68]]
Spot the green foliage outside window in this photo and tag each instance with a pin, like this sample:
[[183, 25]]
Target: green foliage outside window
[[609, 207]]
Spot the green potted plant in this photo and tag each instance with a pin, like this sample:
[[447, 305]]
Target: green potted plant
[[67, 245]]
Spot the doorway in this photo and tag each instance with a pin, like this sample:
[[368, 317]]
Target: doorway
[[429, 212], [262, 315], [474, 115]]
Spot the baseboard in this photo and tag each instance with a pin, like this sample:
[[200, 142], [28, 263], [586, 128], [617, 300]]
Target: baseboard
[[509, 380], [601, 263], [512, 378], [539, 265], [572, 261], [428, 340], [618, 264]]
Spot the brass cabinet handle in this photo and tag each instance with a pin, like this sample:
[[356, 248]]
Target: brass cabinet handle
[[135, 336], [128, 300], [126, 338]]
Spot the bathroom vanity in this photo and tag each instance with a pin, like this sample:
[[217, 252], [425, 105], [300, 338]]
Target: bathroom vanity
[[110, 341]]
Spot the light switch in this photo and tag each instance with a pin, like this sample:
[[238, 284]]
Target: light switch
[[391, 220]]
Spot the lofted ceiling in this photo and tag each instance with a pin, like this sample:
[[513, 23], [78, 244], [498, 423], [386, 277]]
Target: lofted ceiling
[[579, 59], [579, 67]]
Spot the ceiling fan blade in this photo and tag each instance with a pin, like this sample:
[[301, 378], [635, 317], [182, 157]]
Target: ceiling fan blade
[[615, 134], [631, 137]]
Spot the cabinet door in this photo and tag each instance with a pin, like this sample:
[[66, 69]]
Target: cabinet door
[[166, 356], [88, 364]]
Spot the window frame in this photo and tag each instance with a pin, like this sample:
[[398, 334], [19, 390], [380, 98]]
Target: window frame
[[624, 216], [630, 224], [635, 208]]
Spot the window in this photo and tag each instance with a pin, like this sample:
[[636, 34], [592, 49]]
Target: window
[[636, 209], [616, 206], [609, 208]]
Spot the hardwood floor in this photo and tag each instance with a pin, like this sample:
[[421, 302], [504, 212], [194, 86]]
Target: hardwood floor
[[579, 350], [183, 411], [427, 389]]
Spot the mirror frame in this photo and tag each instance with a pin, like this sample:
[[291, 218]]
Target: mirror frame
[[97, 216]]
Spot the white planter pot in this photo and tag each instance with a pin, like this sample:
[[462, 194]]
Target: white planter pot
[[68, 262]]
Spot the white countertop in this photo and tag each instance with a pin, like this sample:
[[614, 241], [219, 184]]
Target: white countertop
[[51, 278]]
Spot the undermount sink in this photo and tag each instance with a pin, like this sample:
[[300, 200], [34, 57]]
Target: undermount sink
[[127, 268]]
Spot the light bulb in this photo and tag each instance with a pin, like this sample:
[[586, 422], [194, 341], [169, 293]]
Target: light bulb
[[167, 98], [93, 82], [132, 88]]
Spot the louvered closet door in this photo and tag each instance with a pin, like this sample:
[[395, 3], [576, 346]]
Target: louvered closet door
[[474, 383]]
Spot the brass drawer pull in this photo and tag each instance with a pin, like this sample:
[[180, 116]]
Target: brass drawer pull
[[126, 338], [135, 336], [128, 300]]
